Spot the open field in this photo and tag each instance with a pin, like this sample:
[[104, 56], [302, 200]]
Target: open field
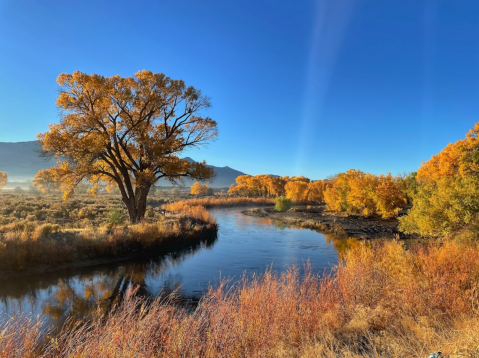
[[42, 231], [381, 301]]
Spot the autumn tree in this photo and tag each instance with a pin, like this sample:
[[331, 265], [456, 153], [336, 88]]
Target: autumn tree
[[297, 191], [440, 207], [316, 191], [364, 193], [276, 186], [44, 180], [259, 185], [242, 187], [3, 179], [361, 192], [300, 178], [128, 131], [409, 186], [336, 192], [389, 196], [200, 189], [446, 197]]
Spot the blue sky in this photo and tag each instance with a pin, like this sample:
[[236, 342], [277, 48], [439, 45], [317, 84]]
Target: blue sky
[[298, 87]]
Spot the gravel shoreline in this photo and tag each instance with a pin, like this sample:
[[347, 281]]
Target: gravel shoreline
[[337, 224]]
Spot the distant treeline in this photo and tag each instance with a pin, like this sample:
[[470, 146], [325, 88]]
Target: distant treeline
[[444, 193], [353, 191]]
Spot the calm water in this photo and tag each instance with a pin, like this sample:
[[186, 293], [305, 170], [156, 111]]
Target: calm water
[[245, 245]]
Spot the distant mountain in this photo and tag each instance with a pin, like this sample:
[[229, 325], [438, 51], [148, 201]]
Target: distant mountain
[[21, 161]]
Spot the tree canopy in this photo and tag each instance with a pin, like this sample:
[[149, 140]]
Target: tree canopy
[[447, 195], [200, 189], [128, 131]]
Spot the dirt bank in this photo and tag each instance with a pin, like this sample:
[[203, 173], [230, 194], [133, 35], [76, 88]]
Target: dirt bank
[[338, 224]]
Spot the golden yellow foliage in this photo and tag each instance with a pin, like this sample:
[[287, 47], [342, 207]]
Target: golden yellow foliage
[[358, 192], [316, 191], [3, 179], [447, 195], [259, 185], [389, 196], [335, 194], [300, 178], [460, 158], [297, 191], [361, 194], [353, 191], [198, 189], [128, 131], [45, 181]]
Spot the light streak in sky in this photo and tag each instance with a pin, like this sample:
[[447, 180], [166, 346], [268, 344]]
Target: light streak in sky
[[331, 18]]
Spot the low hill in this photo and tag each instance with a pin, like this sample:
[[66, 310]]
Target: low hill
[[21, 161]]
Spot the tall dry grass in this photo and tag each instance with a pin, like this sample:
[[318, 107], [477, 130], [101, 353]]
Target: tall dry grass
[[21, 337], [381, 301], [47, 244], [209, 202], [189, 209], [42, 229]]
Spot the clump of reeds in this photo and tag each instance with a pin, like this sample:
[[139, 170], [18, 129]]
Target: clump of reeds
[[21, 337], [381, 301]]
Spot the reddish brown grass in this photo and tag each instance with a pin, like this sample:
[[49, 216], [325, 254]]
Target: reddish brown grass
[[381, 301]]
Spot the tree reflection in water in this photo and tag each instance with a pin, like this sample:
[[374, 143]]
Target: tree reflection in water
[[82, 293], [340, 244]]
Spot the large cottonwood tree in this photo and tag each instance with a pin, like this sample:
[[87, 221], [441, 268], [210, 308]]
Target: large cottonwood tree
[[128, 131]]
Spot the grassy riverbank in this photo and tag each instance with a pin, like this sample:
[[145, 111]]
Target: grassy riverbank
[[38, 233], [381, 301]]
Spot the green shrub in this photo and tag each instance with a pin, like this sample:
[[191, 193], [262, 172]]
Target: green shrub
[[443, 206], [116, 217], [282, 203]]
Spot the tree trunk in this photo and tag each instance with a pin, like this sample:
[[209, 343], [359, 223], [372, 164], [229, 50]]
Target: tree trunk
[[141, 194], [136, 205]]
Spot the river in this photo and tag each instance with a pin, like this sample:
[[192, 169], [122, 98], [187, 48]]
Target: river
[[244, 246]]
